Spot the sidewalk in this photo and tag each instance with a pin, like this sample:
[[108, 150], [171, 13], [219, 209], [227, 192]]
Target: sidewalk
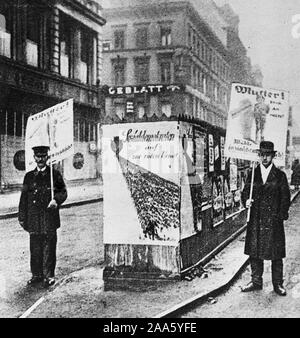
[[78, 193], [81, 294]]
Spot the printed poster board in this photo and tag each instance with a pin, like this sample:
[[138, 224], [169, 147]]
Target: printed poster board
[[256, 114], [141, 185]]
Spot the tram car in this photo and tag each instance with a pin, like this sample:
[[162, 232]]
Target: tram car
[[170, 199]]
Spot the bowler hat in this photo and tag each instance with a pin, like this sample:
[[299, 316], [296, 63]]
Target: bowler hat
[[266, 147], [40, 150]]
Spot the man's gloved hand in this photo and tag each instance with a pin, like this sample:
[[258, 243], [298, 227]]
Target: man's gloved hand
[[249, 203], [52, 204]]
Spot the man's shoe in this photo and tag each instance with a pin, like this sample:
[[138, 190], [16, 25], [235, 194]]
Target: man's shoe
[[280, 290], [251, 287], [34, 280], [49, 281]]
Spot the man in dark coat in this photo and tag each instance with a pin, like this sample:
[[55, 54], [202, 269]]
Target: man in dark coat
[[265, 238], [39, 216]]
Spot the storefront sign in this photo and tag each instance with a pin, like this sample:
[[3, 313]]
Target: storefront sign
[[148, 89]]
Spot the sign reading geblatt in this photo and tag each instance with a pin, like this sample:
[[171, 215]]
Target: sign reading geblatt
[[149, 89]]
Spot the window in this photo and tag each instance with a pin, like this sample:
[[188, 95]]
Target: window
[[165, 34], [194, 42], [85, 55], [5, 29], [166, 109], [65, 47], [142, 37], [198, 48], [118, 71], [119, 39], [32, 37], [194, 80], [190, 34], [78, 50], [165, 72], [204, 84], [142, 70], [106, 46]]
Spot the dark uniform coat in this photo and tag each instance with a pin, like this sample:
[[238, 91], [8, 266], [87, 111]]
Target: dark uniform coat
[[35, 197], [265, 238]]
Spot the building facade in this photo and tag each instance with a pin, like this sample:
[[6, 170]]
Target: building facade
[[163, 59], [50, 51]]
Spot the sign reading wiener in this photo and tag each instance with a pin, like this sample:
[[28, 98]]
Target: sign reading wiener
[[256, 114]]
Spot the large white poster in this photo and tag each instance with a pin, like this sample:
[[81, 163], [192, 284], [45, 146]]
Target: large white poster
[[256, 114], [141, 194], [52, 127]]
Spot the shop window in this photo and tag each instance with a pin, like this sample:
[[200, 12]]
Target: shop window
[[166, 37], [10, 118], [142, 70], [141, 111], [19, 124], [81, 131], [166, 109], [2, 122], [120, 110], [5, 31], [142, 37], [119, 39]]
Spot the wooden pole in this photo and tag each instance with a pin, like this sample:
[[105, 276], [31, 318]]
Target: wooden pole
[[251, 191], [51, 180], [51, 166]]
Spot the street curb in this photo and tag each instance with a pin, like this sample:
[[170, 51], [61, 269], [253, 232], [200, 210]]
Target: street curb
[[201, 297], [14, 214]]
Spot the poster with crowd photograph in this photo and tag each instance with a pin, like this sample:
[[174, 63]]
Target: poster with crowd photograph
[[256, 114], [141, 186]]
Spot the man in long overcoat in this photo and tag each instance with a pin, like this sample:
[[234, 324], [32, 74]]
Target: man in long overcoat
[[39, 216], [265, 238]]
